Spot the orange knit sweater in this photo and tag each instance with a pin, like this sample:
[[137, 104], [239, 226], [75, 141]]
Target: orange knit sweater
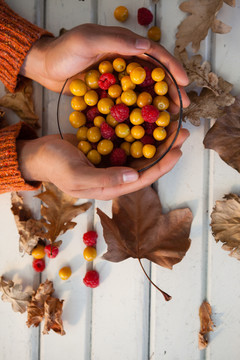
[[17, 35]]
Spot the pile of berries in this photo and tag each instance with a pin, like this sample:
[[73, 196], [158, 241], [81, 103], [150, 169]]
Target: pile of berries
[[91, 279], [120, 112]]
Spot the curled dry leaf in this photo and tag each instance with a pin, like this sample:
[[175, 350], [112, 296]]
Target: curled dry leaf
[[14, 294], [206, 324], [21, 102], [138, 229], [53, 316], [226, 224], [202, 17], [58, 211], [224, 136], [29, 229]]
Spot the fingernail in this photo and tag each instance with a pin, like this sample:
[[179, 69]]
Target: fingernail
[[142, 44], [130, 176]]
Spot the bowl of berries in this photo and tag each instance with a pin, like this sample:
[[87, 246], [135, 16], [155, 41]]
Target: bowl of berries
[[118, 110]]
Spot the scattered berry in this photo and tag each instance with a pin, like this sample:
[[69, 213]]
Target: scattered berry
[[149, 113], [154, 33], [145, 17], [89, 253], [38, 265], [65, 272], [106, 80], [118, 157], [121, 13], [120, 112], [38, 252], [107, 131], [51, 251], [91, 279], [90, 238]]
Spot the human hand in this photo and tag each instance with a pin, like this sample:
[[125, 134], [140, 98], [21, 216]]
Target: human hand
[[51, 61], [59, 161]]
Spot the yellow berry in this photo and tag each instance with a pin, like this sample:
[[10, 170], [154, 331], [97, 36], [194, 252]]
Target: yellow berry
[[91, 98], [91, 78], [126, 147], [118, 100], [94, 134], [89, 253], [84, 146], [136, 117], [129, 97], [132, 66], [144, 99], [114, 91], [111, 121], [161, 87], [98, 120], [161, 102], [105, 67], [164, 119], [78, 87], [77, 119], [136, 149], [121, 75], [137, 131], [121, 13], [154, 33], [38, 252], [82, 133], [129, 138], [127, 83], [158, 74], [94, 157], [138, 75], [159, 133], [65, 272], [119, 64], [149, 151], [104, 105], [78, 103], [104, 147], [122, 130]]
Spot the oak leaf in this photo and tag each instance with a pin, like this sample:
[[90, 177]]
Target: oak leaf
[[14, 294], [206, 324], [226, 224], [21, 102], [224, 135], [202, 17], [53, 316], [58, 211]]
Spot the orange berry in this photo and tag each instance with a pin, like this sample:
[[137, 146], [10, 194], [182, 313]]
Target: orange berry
[[136, 149], [154, 33], [137, 131], [114, 91], [118, 100], [98, 120], [104, 147], [94, 157], [78, 87], [38, 252], [111, 121], [144, 99], [91, 98], [136, 117], [127, 83], [129, 138], [94, 134], [129, 97], [104, 105], [158, 74], [126, 147], [164, 119], [159, 133], [77, 119], [84, 146], [105, 67], [119, 64], [149, 151], [138, 75], [161, 102], [91, 79], [82, 133], [89, 253], [65, 272], [121, 75], [78, 103], [122, 130], [132, 66], [161, 87], [121, 13]]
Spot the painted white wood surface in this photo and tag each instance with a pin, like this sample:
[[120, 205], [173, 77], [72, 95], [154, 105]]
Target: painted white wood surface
[[123, 318]]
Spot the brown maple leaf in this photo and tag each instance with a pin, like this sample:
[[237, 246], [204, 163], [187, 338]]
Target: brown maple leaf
[[14, 294], [224, 135], [226, 224], [206, 324], [21, 102], [60, 209], [138, 229], [29, 229], [194, 28]]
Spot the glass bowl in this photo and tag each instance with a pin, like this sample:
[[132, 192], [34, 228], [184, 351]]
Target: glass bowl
[[64, 109]]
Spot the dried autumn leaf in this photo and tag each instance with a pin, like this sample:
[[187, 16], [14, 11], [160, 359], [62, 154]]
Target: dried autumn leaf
[[14, 294], [226, 224], [138, 229], [52, 316], [21, 102], [28, 228], [224, 135], [60, 209], [206, 324], [194, 28]]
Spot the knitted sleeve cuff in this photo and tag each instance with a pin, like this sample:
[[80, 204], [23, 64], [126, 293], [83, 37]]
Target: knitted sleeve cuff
[[17, 35], [10, 176]]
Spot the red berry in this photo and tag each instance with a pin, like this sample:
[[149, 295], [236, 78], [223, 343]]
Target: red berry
[[38, 265], [118, 157], [149, 113], [51, 251], [148, 79], [106, 80], [92, 113], [145, 17], [149, 127], [120, 112], [90, 238], [147, 139], [91, 279], [107, 131]]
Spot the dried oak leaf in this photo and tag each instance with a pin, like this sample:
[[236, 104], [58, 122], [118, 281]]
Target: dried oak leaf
[[194, 28], [21, 102], [53, 316], [224, 135], [206, 324], [14, 294], [29, 229], [226, 224], [59, 211]]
